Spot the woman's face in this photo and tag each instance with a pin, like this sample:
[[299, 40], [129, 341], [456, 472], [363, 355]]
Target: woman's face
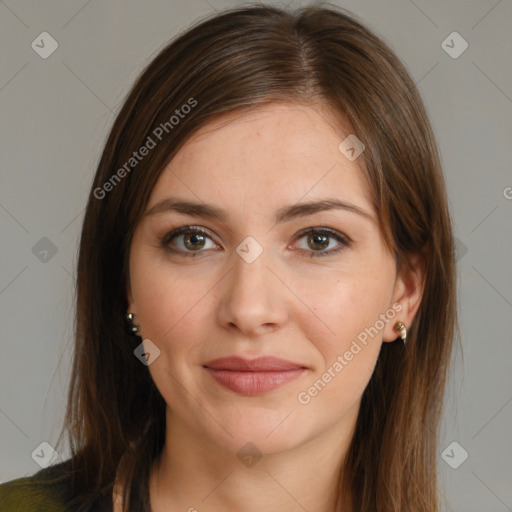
[[257, 284]]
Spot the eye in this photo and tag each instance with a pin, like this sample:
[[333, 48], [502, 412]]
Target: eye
[[193, 240], [318, 240]]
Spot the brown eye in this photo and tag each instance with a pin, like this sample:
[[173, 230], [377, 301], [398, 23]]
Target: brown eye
[[318, 242], [318, 239], [193, 240]]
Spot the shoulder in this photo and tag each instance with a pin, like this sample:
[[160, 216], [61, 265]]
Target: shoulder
[[48, 490]]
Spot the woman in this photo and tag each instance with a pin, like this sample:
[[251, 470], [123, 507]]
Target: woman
[[265, 284]]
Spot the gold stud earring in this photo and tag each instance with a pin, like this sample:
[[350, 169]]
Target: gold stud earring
[[400, 327]]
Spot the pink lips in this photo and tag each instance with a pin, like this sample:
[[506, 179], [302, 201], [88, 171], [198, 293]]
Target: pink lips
[[253, 376]]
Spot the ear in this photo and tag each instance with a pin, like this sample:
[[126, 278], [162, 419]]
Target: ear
[[407, 295], [129, 297]]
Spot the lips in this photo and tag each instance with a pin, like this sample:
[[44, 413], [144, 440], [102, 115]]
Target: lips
[[261, 364], [253, 376]]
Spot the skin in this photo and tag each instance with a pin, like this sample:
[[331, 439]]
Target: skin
[[286, 304]]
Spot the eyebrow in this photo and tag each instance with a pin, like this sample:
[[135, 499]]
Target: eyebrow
[[284, 214]]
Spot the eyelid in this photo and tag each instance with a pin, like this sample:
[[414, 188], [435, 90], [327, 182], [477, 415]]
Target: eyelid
[[173, 233], [343, 240], [324, 229]]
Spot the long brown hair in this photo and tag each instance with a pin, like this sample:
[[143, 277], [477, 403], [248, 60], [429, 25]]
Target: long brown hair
[[232, 61]]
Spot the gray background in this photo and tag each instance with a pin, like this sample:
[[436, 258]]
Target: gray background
[[56, 113]]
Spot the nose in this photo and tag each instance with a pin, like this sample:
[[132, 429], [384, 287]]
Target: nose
[[255, 300]]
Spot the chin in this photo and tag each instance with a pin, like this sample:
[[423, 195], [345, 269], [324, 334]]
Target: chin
[[270, 431]]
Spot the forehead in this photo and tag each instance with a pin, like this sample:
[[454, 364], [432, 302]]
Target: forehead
[[270, 155]]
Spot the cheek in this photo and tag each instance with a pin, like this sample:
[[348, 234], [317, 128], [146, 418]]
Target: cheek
[[348, 354], [344, 309], [160, 297], [172, 309], [172, 316]]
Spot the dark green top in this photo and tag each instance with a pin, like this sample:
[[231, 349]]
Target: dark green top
[[48, 490]]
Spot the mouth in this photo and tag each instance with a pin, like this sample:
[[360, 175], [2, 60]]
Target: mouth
[[253, 377]]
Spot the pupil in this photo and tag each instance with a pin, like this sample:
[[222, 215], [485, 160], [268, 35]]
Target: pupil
[[194, 237], [317, 237]]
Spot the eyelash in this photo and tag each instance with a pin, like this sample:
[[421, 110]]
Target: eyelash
[[166, 239]]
